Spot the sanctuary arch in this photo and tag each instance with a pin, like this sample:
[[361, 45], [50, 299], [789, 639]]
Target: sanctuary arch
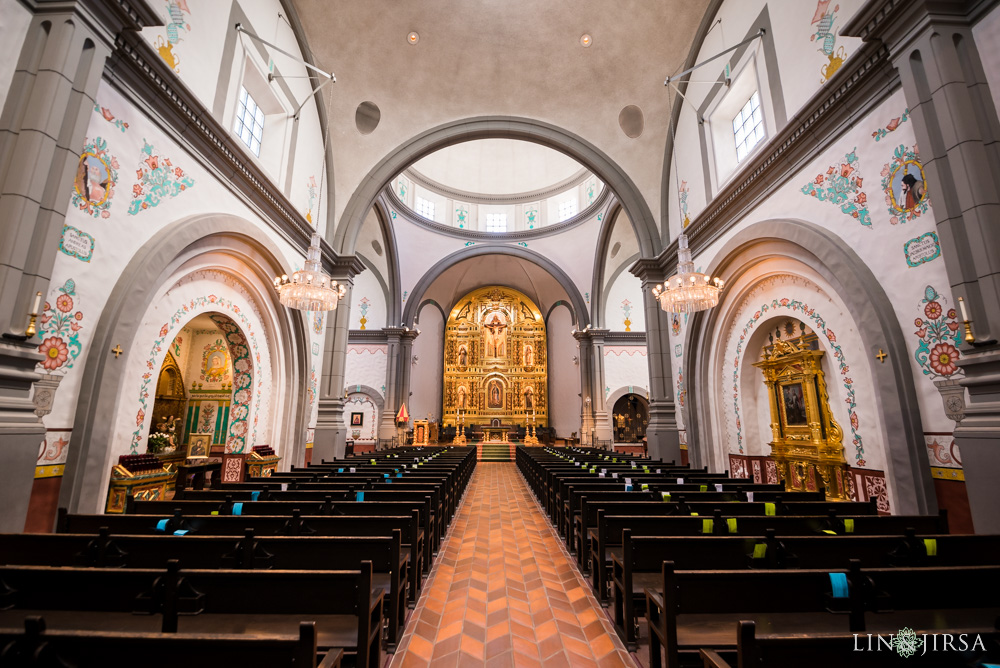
[[495, 367]]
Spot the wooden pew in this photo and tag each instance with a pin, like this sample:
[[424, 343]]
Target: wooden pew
[[231, 525], [348, 614], [390, 566], [34, 645], [836, 651]]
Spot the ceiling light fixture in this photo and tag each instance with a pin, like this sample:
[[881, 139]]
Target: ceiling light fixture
[[586, 40], [413, 37]]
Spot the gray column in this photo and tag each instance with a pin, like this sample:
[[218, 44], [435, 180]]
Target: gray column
[[602, 424], [661, 433], [957, 130], [405, 368], [387, 424], [586, 386], [331, 432]]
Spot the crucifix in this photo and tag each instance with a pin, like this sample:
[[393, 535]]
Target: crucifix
[[117, 350]]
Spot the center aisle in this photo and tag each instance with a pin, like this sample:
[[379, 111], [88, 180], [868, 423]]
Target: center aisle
[[504, 592]]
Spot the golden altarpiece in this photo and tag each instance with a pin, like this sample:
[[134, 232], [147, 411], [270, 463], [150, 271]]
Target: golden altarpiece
[[495, 370], [808, 443]]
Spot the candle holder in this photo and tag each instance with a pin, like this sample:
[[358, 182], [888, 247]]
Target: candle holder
[[969, 336]]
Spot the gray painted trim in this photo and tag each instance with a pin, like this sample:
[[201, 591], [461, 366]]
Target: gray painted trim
[[561, 302], [603, 244], [874, 316], [103, 376], [390, 200], [861, 84], [431, 302], [510, 127], [635, 338], [369, 392], [482, 198], [445, 263], [394, 305], [366, 336], [611, 281]]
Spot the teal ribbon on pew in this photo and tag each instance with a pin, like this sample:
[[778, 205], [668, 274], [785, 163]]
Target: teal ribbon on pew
[[237, 509], [161, 525], [399, 475], [731, 524], [769, 509], [361, 496], [839, 583], [340, 470], [848, 526], [254, 496], [707, 526], [181, 532], [388, 481], [628, 488], [930, 544], [385, 475]]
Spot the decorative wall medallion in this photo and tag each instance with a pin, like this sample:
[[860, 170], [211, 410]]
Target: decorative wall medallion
[[678, 350], [531, 215], [826, 36], [938, 338], [96, 176], [315, 348], [904, 185], [841, 185], [675, 324], [76, 243], [922, 249], [158, 180], [681, 392], [165, 48], [682, 196], [891, 126], [626, 312], [317, 322], [59, 329], [311, 191]]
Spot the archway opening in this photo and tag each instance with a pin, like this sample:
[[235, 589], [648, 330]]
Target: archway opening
[[630, 417]]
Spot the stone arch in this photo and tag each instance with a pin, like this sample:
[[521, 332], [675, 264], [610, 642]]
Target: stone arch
[[872, 312], [153, 264], [597, 296], [508, 127], [416, 297]]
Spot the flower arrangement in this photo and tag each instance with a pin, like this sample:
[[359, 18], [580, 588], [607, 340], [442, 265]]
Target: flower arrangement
[[157, 443]]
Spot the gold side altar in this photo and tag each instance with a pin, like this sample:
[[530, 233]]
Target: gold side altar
[[807, 443], [495, 361]]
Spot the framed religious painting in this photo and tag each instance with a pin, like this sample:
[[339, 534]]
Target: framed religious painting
[[199, 446], [357, 419], [793, 403]]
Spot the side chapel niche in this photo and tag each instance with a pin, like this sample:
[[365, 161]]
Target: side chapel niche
[[495, 367], [807, 443]]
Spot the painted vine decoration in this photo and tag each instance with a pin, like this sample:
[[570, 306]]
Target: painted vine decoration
[[841, 186], [60, 325], [939, 337]]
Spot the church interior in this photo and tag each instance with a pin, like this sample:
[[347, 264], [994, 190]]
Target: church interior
[[500, 333]]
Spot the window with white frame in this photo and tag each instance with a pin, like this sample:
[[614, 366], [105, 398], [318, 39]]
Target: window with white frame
[[249, 126], [567, 209], [496, 222], [425, 208], [748, 127]]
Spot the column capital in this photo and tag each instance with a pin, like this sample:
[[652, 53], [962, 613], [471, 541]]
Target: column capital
[[649, 270], [896, 22], [341, 267]]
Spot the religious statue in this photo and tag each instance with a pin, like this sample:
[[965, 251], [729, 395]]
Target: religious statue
[[528, 404], [496, 396], [529, 356], [461, 397], [463, 356], [495, 338], [620, 420]]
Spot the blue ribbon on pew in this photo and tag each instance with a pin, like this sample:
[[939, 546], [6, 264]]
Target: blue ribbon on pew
[[254, 496], [399, 475], [161, 525], [388, 481], [385, 475], [839, 583], [181, 532], [361, 496], [237, 509], [340, 470]]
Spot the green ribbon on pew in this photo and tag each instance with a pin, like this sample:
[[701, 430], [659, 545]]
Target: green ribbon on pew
[[930, 544], [703, 488], [769, 509], [373, 461], [645, 469], [759, 550], [615, 460], [215, 512], [666, 497], [694, 514], [832, 533], [848, 526], [707, 526], [645, 487], [731, 524]]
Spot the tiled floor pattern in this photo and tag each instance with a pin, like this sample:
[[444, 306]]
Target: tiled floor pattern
[[504, 592]]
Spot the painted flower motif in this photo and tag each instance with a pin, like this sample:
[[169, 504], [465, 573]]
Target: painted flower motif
[[137, 190], [55, 351], [858, 182], [140, 417], [943, 357], [846, 170], [64, 303], [918, 322], [893, 124], [106, 113], [242, 397], [854, 420], [178, 172], [819, 180], [830, 335], [78, 315], [105, 214], [75, 327], [239, 412], [933, 310], [164, 330], [238, 429], [784, 301], [861, 198], [242, 365], [953, 325], [922, 332], [951, 313], [153, 161]]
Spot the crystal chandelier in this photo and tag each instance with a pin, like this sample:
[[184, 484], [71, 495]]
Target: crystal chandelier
[[309, 289], [689, 290]]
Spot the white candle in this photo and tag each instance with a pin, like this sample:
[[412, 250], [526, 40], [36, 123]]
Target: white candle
[[965, 314], [38, 299]]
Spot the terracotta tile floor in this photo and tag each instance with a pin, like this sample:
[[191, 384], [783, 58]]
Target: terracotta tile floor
[[504, 592]]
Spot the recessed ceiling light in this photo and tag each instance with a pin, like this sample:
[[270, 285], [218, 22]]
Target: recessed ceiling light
[[586, 40], [413, 38]]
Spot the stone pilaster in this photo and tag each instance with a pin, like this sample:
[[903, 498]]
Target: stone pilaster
[[586, 386], [331, 432], [387, 423]]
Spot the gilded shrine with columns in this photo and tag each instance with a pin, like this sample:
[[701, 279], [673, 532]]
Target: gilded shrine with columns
[[495, 360]]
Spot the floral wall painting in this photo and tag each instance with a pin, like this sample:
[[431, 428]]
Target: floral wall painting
[[938, 337], [891, 126], [60, 325], [826, 37], [904, 186], [165, 47], [96, 176], [922, 249], [158, 179], [76, 243], [841, 186]]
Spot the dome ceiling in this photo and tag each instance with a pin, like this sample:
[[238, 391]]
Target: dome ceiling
[[520, 58]]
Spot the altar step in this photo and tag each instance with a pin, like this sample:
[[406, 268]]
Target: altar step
[[494, 452]]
